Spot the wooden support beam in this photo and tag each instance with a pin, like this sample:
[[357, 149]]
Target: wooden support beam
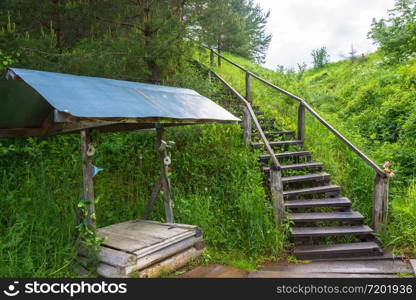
[[380, 201], [153, 197], [276, 189], [301, 122], [167, 192], [88, 184], [247, 126]]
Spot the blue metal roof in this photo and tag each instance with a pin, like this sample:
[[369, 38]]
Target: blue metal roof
[[93, 97]]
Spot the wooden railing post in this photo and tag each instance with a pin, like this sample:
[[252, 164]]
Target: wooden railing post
[[211, 58], [167, 192], [211, 63], [247, 126], [248, 87], [276, 189], [247, 118], [301, 122], [381, 201], [87, 151]]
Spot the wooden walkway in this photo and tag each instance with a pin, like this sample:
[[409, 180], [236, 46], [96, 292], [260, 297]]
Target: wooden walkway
[[369, 267]]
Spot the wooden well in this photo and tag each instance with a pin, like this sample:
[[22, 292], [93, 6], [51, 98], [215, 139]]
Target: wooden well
[[143, 249]]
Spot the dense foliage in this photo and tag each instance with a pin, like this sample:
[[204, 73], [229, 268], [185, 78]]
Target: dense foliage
[[320, 57], [149, 38], [397, 34]]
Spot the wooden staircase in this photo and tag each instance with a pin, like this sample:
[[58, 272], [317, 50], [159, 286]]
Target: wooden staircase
[[323, 224]]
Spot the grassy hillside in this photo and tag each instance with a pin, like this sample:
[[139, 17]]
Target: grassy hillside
[[373, 105]]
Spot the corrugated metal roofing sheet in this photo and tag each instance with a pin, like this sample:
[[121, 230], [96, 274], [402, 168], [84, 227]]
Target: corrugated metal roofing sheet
[[92, 97]]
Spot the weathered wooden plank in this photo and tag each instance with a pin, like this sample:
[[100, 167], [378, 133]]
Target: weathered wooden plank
[[301, 122], [276, 189], [167, 191], [127, 243], [248, 87], [278, 143], [302, 166], [380, 202], [148, 250], [170, 264], [349, 267], [152, 199], [330, 231], [111, 256], [108, 271], [215, 271], [88, 184], [413, 265], [279, 132], [20, 132], [325, 202], [285, 274], [166, 252], [307, 177], [326, 216], [349, 248], [152, 229], [247, 127], [266, 157], [313, 190], [175, 225], [386, 255]]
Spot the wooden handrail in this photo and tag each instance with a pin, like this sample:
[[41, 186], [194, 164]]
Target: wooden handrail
[[255, 121], [360, 154], [276, 163]]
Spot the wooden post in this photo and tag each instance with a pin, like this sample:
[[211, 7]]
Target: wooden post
[[212, 58], [87, 151], [152, 199], [247, 126], [167, 193], [276, 189], [301, 122], [211, 63], [381, 201], [219, 58], [248, 87]]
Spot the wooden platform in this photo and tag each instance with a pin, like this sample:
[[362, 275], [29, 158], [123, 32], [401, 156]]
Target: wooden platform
[[370, 267], [146, 248]]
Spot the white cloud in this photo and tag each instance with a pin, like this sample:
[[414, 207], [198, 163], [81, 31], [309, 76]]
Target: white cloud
[[299, 26]]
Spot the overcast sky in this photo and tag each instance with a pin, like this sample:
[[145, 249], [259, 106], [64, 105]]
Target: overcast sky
[[299, 26]]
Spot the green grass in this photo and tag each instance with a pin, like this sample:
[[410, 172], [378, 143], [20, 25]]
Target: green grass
[[370, 103]]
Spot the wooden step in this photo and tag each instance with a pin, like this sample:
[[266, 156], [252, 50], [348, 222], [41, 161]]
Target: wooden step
[[298, 232], [266, 157], [350, 249], [278, 143], [325, 216], [306, 178], [325, 202], [313, 190], [281, 132], [302, 166]]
